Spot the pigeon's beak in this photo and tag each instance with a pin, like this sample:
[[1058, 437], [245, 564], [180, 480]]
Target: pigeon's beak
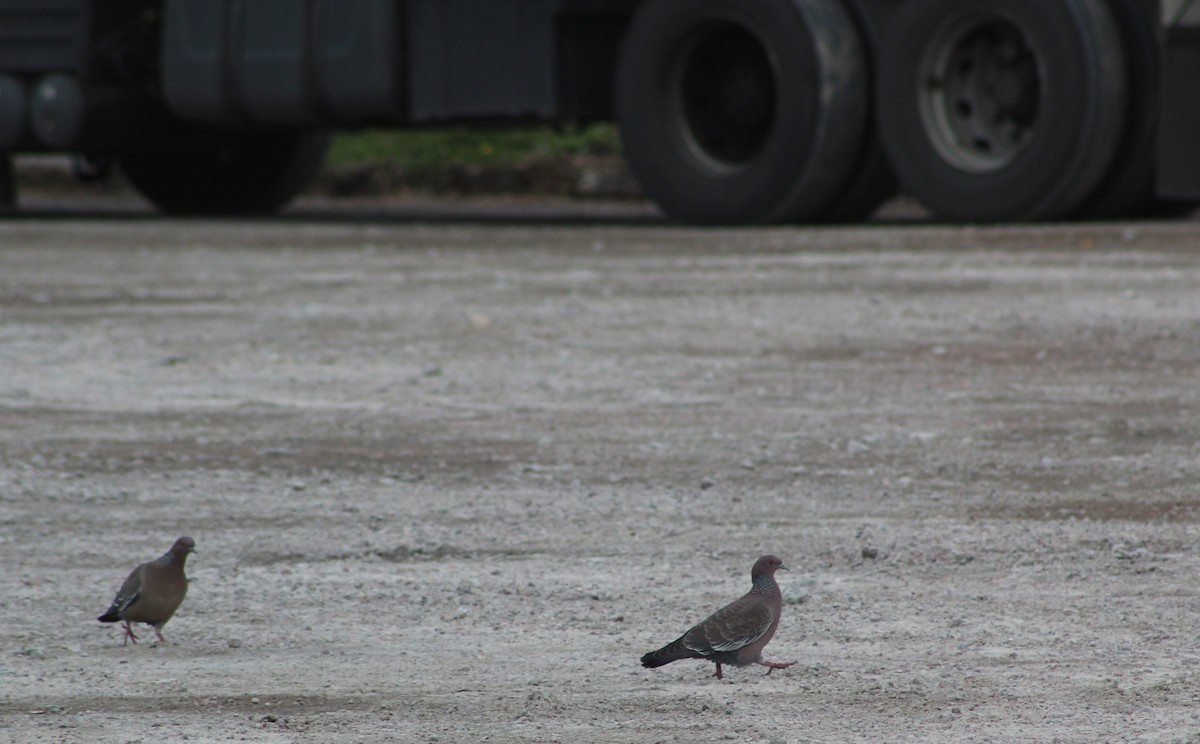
[[783, 567]]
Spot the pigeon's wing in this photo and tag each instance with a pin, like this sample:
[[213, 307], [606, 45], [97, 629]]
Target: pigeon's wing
[[730, 628], [126, 596]]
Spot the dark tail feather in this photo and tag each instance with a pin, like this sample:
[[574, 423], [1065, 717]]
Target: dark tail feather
[[110, 616], [673, 651]]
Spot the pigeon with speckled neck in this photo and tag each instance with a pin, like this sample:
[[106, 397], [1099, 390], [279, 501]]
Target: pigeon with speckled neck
[[153, 592], [737, 633]]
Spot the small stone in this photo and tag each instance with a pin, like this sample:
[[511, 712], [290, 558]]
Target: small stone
[[795, 594], [234, 642], [855, 447], [870, 552], [35, 652], [479, 322], [1122, 552], [254, 701], [707, 483]]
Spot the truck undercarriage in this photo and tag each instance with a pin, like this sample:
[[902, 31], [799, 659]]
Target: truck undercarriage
[[731, 112]]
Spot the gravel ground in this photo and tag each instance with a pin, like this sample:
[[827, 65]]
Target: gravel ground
[[449, 480]]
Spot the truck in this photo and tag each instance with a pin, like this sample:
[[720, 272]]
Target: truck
[[729, 111]]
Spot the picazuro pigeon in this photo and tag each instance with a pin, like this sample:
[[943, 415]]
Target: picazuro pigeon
[[152, 592], [738, 632]]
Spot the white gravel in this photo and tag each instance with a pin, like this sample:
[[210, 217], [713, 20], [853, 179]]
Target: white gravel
[[449, 481]]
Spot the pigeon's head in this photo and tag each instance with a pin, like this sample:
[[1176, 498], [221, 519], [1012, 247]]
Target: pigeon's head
[[767, 566], [183, 546]]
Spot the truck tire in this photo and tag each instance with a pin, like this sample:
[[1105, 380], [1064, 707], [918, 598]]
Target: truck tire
[[742, 112], [999, 110], [1127, 190], [872, 181], [240, 173]]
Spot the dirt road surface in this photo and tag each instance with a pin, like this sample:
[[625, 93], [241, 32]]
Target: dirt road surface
[[449, 480]]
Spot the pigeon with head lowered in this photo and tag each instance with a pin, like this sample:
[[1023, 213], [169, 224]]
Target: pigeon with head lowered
[[738, 632], [152, 592]]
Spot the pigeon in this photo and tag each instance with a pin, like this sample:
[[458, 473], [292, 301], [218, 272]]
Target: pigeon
[[737, 633], [152, 592]]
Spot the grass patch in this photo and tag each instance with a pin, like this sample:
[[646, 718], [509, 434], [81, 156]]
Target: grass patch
[[423, 150], [583, 162]]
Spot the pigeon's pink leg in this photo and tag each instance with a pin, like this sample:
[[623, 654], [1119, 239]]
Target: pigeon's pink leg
[[129, 636], [158, 633], [718, 675], [773, 665]]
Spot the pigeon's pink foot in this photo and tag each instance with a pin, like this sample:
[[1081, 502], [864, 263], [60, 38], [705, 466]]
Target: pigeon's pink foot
[[129, 635], [773, 665], [160, 636]]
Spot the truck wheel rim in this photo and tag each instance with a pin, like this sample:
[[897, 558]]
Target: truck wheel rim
[[978, 89], [721, 92]]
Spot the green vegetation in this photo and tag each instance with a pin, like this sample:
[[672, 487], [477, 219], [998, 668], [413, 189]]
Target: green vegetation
[[418, 150]]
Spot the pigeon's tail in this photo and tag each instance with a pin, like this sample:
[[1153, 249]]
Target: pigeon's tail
[[673, 651], [111, 616]]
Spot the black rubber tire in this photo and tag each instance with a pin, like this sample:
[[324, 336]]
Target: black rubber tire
[[1167, 209], [1127, 190], [742, 112], [872, 181], [236, 173], [1072, 134]]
